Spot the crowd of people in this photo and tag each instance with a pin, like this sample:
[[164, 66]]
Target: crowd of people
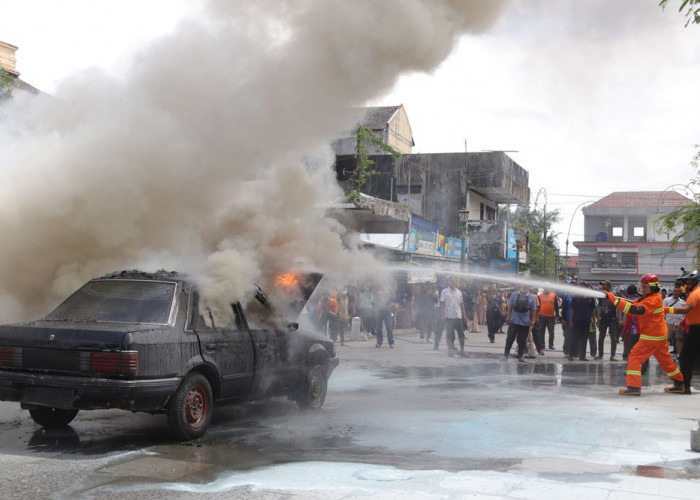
[[645, 319]]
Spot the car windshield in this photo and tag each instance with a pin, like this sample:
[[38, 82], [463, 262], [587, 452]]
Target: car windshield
[[127, 301]]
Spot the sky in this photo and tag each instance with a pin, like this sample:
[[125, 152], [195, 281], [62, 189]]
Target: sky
[[590, 97]]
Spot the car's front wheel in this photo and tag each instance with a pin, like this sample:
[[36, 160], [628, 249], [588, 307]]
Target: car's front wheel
[[52, 418], [313, 393], [191, 408]]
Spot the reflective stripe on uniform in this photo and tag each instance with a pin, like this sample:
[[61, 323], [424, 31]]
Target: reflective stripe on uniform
[[617, 301], [675, 372], [627, 307], [634, 372], [652, 337], [658, 311]]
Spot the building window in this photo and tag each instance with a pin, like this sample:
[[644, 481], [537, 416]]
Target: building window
[[638, 232], [617, 232]]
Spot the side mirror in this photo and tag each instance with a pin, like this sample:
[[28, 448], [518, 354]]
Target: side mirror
[[292, 327]]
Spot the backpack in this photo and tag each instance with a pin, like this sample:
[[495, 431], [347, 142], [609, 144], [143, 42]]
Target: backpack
[[522, 304]]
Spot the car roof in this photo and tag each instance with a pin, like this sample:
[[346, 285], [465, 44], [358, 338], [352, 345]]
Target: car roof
[[134, 274]]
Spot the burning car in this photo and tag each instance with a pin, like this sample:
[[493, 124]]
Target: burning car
[[147, 342]]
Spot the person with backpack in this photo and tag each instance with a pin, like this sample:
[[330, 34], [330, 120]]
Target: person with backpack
[[521, 316]]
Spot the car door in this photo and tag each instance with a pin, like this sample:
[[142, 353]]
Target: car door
[[228, 347], [275, 367]]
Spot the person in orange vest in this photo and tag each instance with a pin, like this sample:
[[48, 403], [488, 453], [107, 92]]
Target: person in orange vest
[[691, 309], [549, 311], [653, 337]]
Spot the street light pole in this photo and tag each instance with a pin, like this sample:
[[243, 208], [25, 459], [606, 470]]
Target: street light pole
[[463, 219], [544, 230], [566, 258]]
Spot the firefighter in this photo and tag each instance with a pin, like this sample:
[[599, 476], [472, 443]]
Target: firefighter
[[653, 337], [691, 309]]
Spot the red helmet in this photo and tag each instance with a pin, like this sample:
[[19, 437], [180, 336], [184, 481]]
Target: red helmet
[[650, 279]]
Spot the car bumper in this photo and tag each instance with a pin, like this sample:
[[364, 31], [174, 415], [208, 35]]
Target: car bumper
[[32, 390], [333, 364]]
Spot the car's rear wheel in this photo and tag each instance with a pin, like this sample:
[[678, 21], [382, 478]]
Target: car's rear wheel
[[52, 418], [313, 393], [191, 407]]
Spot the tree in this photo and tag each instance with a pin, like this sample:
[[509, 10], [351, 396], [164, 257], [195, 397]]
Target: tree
[[532, 223], [691, 8], [366, 138], [683, 224], [5, 85]]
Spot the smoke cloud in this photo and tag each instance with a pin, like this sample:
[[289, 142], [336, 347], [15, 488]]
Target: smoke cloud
[[210, 154]]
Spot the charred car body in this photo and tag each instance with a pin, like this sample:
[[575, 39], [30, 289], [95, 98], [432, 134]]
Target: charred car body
[[143, 342]]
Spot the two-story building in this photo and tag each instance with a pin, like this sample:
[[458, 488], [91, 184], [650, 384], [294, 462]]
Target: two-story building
[[622, 238]]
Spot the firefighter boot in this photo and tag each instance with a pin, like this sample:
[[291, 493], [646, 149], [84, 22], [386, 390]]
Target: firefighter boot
[[631, 391], [676, 388]]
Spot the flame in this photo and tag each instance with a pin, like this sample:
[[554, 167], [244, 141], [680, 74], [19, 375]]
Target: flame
[[287, 280]]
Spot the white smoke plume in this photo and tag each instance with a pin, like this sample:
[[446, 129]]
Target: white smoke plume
[[154, 169]]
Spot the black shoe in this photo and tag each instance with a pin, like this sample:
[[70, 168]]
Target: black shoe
[[583, 359], [378, 345], [520, 359], [571, 358], [630, 391], [676, 388], [599, 356], [551, 347]]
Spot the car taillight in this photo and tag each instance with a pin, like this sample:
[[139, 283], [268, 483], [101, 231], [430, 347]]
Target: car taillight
[[126, 362], [11, 357]]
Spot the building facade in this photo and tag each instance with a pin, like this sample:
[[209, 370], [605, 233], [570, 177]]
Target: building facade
[[622, 238]]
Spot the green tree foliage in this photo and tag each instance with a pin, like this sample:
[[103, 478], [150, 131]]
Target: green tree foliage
[[5, 85], [682, 225], [691, 8], [532, 223], [366, 140]]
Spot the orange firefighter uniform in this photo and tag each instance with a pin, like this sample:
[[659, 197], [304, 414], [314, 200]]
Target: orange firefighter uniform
[[653, 337]]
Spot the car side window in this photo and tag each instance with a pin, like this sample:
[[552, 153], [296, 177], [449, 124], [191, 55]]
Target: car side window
[[208, 317]]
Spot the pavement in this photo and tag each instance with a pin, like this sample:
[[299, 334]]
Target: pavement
[[402, 423]]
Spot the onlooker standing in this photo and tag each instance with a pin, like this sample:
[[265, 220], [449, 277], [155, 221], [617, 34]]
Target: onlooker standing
[[482, 308], [630, 326], [424, 305], [453, 314], [384, 316], [493, 312], [549, 311], [365, 308], [582, 311], [607, 322], [566, 322], [521, 316], [438, 325], [332, 315], [534, 335], [343, 315], [673, 320]]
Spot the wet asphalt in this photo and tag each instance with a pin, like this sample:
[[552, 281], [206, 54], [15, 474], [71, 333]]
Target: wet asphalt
[[545, 423]]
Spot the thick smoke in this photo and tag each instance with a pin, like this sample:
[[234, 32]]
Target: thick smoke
[[210, 154]]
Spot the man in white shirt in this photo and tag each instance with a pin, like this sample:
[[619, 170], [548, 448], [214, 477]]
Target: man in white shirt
[[453, 314]]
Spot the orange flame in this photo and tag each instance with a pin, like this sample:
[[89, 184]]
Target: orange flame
[[287, 280]]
